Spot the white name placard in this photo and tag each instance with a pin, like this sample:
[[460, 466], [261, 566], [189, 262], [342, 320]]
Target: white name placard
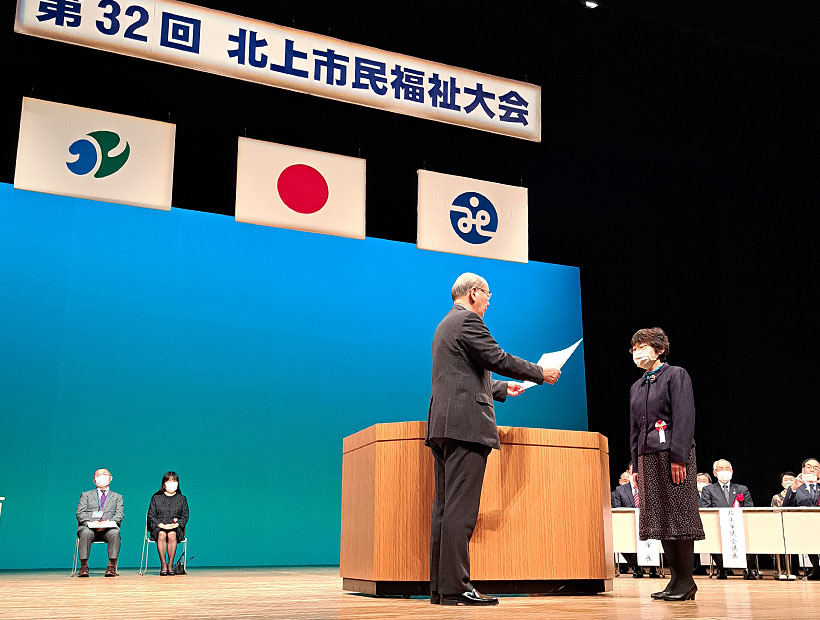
[[649, 551], [732, 537]]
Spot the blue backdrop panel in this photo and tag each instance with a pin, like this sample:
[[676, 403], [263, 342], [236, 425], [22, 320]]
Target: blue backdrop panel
[[237, 355]]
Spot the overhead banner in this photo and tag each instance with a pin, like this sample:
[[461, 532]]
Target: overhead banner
[[189, 36], [467, 216], [85, 153], [289, 187]]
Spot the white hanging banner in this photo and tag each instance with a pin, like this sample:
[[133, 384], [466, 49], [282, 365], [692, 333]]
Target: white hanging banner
[[86, 153], [199, 38], [732, 537], [649, 551], [288, 187], [461, 215]]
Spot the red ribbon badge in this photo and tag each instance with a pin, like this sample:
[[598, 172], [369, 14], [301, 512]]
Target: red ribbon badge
[[660, 425], [738, 498]]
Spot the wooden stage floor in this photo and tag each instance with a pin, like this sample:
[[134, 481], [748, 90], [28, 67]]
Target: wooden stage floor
[[315, 592]]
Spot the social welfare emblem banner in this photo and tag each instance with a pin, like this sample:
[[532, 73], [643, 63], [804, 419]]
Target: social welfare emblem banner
[[467, 216], [86, 153], [290, 187]]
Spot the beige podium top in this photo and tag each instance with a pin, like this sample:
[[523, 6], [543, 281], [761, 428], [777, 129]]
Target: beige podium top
[[511, 435]]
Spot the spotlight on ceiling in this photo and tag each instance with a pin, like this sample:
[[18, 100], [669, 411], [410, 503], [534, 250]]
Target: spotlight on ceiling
[[590, 5]]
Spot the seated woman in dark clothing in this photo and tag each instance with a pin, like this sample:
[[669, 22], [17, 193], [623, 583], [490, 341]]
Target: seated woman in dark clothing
[[167, 518]]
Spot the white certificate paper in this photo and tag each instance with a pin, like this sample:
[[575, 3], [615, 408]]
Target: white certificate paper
[[556, 359]]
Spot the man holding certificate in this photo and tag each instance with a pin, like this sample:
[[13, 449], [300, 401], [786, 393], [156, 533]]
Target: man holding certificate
[[99, 514], [461, 431]]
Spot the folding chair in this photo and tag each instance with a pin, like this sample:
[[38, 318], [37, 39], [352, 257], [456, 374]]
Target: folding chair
[[77, 553], [146, 545]]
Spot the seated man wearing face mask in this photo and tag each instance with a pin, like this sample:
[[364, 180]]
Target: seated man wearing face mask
[[805, 491], [96, 506], [723, 494]]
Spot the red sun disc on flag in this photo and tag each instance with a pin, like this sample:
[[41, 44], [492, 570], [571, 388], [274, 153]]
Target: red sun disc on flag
[[302, 188]]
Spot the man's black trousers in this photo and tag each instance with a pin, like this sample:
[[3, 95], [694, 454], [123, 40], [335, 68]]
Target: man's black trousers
[[459, 474]]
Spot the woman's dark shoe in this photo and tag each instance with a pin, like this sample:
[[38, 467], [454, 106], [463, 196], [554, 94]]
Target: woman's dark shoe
[[659, 595], [171, 571], [689, 595], [162, 573]]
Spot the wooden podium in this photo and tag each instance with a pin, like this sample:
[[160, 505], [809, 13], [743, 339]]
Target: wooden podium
[[544, 525]]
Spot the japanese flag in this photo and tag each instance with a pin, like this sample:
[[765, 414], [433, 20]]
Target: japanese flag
[[466, 216], [289, 187], [86, 153]]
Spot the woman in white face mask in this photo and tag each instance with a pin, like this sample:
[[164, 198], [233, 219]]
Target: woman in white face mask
[[167, 518], [662, 427]]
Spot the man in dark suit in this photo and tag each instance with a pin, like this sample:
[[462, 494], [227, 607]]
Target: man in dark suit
[[722, 494], [624, 497], [805, 491], [622, 480], [99, 505], [461, 431]]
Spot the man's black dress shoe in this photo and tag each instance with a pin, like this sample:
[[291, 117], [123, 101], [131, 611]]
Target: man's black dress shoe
[[473, 597], [653, 573], [689, 595], [637, 574], [748, 575], [721, 574], [435, 598], [815, 576]]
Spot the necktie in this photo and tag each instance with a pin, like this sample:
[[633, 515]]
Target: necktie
[[635, 496], [812, 491], [102, 500], [726, 493]]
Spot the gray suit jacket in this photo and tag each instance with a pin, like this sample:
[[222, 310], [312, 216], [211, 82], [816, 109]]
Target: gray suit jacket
[[464, 358], [89, 503]]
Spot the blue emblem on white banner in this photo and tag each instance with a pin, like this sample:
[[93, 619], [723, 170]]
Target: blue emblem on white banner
[[474, 218]]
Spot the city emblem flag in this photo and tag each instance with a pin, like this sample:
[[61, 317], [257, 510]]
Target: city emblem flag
[[289, 187], [85, 153], [477, 218]]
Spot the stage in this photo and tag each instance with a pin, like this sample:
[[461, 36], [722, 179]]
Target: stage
[[315, 592]]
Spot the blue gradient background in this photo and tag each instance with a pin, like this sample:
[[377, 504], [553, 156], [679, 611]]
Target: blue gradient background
[[237, 355]]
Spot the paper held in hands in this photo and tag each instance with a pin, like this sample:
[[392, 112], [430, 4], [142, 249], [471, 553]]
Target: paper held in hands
[[96, 525], [556, 359]]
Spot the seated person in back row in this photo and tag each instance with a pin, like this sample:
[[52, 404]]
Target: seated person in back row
[[625, 496], [723, 494], [167, 518], [805, 491], [100, 504]]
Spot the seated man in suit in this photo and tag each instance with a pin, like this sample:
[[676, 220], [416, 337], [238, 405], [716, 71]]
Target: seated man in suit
[[622, 480], [100, 504], [722, 494], [626, 496], [805, 491]]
